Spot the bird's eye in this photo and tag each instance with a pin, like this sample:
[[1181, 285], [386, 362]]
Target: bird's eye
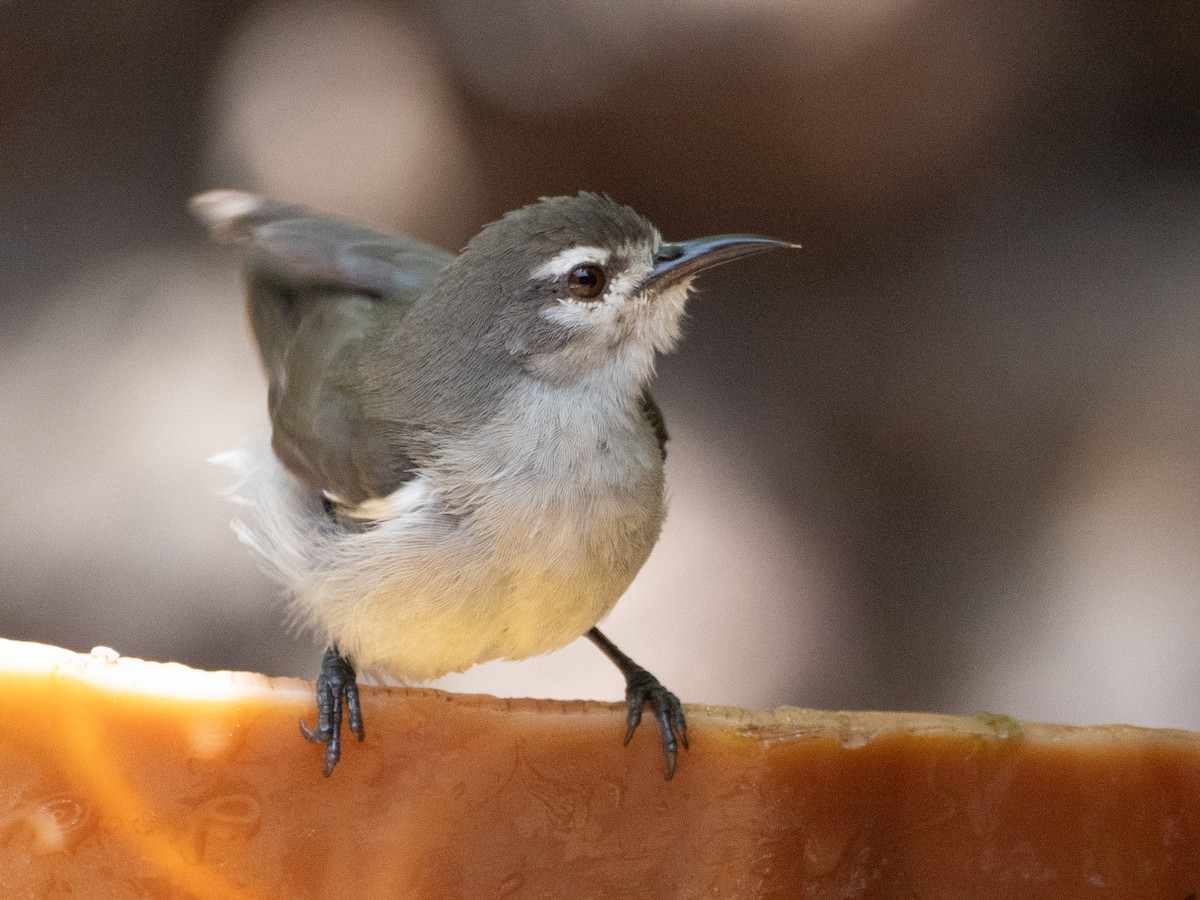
[[586, 282]]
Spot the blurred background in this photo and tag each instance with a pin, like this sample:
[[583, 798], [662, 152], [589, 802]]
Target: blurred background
[[944, 458]]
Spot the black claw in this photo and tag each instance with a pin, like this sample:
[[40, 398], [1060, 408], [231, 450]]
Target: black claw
[[642, 688], [336, 683], [634, 718], [312, 735]]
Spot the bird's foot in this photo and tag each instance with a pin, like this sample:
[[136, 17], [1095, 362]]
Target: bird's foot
[[641, 688], [337, 684]]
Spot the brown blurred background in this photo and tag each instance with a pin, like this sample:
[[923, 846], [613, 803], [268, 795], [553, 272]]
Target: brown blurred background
[[945, 458]]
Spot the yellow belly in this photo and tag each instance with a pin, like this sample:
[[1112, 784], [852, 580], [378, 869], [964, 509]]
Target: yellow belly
[[488, 593]]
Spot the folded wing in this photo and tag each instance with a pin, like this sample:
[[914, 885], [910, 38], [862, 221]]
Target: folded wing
[[322, 292]]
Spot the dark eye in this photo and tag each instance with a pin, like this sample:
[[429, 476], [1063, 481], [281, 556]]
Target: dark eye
[[586, 282]]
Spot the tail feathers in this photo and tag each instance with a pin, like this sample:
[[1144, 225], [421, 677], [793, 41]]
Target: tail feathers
[[277, 518], [232, 216]]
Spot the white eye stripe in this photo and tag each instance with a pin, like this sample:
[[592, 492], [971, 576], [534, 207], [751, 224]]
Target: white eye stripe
[[568, 259]]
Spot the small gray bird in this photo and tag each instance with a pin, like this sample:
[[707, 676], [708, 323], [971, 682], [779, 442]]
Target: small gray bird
[[467, 464]]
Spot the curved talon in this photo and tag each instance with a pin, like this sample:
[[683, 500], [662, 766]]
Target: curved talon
[[634, 719], [312, 735], [641, 688], [644, 688]]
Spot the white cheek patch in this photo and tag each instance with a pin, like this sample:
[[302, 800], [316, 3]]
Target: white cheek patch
[[662, 327], [577, 314], [624, 284], [568, 259]]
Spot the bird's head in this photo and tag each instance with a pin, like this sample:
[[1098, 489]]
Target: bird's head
[[583, 287]]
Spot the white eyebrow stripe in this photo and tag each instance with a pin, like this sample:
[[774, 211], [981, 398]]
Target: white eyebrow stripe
[[568, 259]]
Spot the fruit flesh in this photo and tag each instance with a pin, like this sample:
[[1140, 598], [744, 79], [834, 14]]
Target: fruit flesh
[[120, 778]]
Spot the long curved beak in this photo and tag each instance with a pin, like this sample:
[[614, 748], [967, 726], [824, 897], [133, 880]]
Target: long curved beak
[[678, 260]]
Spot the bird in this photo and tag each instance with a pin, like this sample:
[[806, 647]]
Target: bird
[[465, 460]]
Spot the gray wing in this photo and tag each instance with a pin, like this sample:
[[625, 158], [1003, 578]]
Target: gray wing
[[321, 292]]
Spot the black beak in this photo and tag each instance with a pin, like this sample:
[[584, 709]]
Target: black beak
[[682, 259]]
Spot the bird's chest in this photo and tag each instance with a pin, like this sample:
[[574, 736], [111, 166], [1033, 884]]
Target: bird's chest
[[574, 493], [523, 537]]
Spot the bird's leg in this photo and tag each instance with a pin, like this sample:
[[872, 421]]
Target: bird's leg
[[641, 688], [337, 682]]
